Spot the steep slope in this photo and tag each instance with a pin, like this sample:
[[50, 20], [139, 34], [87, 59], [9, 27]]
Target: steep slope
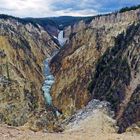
[[48, 24], [96, 53], [51, 24], [91, 122], [117, 77], [23, 48]]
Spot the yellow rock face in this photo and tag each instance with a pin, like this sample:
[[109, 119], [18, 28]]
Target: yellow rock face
[[23, 48], [100, 44]]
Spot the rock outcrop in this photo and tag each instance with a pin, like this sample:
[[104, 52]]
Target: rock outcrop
[[101, 60]]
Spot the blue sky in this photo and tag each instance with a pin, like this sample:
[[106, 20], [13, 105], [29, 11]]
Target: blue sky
[[49, 8]]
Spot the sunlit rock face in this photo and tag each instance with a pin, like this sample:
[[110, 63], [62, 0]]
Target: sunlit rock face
[[101, 60], [23, 48], [68, 31]]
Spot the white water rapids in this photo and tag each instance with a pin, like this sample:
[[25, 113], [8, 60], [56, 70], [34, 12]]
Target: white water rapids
[[49, 80]]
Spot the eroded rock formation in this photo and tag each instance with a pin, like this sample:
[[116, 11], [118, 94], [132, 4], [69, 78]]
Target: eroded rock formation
[[23, 48], [101, 60]]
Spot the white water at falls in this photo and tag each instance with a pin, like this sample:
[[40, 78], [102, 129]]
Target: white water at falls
[[62, 40]]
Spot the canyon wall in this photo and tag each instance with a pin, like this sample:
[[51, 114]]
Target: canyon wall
[[107, 21], [23, 48], [101, 60]]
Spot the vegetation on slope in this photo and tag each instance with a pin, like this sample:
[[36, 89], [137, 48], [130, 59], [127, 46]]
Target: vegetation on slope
[[129, 8], [116, 77]]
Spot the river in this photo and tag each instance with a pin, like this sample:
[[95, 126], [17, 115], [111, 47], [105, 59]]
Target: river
[[49, 78]]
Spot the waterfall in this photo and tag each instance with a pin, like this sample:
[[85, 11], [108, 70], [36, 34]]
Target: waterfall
[[61, 39]]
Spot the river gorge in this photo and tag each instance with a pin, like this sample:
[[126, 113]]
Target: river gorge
[[54, 77], [49, 78]]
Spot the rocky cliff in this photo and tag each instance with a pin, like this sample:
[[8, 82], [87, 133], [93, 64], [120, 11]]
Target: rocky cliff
[[23, 48], [121, 18], [102, 61]]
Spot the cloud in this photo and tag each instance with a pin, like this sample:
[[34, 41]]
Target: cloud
[[49, 8], [71, 12], [25, 8]]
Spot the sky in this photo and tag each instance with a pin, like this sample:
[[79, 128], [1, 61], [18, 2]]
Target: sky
[[49, 8]]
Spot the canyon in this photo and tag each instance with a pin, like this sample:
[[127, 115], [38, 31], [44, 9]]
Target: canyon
[[48, 74]]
